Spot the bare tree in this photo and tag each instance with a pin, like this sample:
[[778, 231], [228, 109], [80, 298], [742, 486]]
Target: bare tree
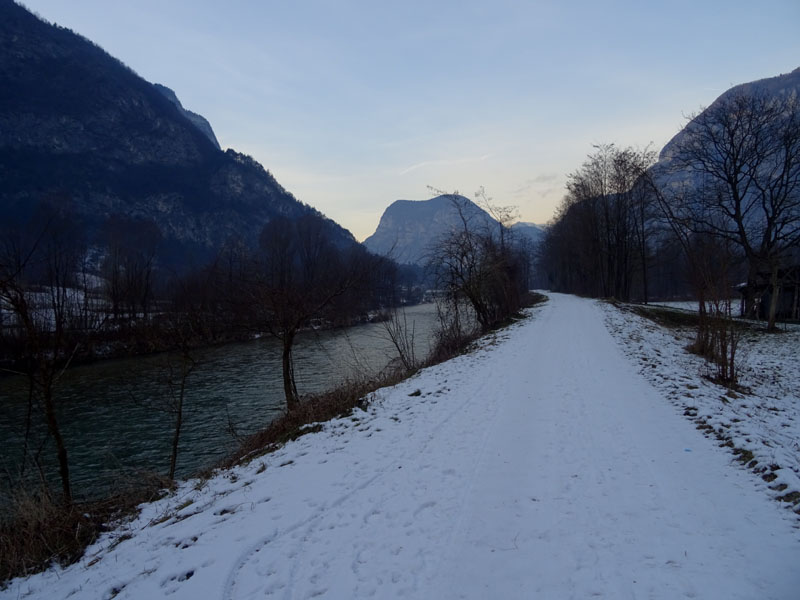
[[299, 276], [37, 285], [503, 215], [475, 264], [632, 166], [129, 265], [599, 239], [711, 266], [402, 336], [185, 328], [740, 159]]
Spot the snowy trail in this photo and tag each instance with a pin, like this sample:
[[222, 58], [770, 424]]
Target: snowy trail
[[541, 466], [594, 486]]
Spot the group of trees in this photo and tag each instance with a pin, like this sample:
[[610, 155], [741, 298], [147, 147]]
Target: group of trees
[[43, 315], [55, 307], [479, 266], [735, 177], [599, 242], [60, 300], [721, 206], [299, 275], [129, 267]]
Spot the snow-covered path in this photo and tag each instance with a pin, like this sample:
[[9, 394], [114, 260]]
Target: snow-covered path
[[593, 485], [542, 466]]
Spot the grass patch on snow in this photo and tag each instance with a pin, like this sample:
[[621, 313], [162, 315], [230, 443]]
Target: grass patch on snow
[[666, 317]]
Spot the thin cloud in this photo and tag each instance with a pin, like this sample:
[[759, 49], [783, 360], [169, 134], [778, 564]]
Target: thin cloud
[[546, 178], [535, 182], [443, 162]]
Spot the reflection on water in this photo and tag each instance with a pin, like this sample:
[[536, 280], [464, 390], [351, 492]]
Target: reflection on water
[[112, 413]]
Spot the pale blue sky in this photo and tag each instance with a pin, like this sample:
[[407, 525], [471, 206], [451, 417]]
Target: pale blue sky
[[353, 105]]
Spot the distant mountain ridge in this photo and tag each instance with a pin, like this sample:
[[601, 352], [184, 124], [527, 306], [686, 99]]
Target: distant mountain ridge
[[410, 229], [82, 132], [533, 232]]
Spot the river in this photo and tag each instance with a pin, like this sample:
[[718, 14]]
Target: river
[[112, 415]]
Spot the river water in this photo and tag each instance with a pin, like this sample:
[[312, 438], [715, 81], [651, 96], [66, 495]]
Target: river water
[[112, 413]]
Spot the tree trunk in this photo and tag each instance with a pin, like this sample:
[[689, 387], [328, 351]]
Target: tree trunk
[[173, 460], [701, 339], [289, 387], [28, 424], [750, 292], [61, 450], [773, 302], [643, 254]]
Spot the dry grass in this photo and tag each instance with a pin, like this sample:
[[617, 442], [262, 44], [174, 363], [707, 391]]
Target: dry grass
[[664, 316], [307, 416], [37, 530]]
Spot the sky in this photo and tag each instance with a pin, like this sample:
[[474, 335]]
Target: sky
[[355, 104]]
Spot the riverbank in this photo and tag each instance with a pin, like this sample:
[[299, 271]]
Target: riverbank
[[36, 530], [542, 463], [117, 419]]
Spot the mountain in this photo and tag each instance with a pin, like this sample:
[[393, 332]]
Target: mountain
[[82, 133], [530, 231], [784, 84], [711, 158], [409, 229]]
